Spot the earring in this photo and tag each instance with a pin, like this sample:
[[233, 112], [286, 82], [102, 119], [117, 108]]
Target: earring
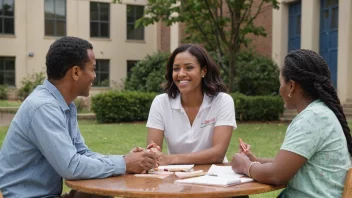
[[203, 76], [289, 95]]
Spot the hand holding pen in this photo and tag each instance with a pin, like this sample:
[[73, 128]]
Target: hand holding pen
[[245, 148]]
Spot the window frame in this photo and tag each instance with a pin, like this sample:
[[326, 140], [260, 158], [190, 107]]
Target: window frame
[[54, 20], [98, 72], [3, 17], [134, 22], [2, 69], [99, 21], [129, 67]]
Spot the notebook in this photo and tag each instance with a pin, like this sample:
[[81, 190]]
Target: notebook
[[213, 181]]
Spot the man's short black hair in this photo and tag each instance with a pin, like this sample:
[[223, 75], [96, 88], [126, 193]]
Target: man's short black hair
[[65, 53]]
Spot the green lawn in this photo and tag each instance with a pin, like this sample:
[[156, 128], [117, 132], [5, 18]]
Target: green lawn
[[9, 103], [265, 139]]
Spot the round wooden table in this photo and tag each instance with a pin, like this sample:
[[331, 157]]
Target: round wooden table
[[131, 186]]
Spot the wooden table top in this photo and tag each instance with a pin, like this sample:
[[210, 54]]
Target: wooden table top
[[131, 186]]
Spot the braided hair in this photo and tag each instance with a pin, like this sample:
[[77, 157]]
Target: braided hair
[[311, 71]]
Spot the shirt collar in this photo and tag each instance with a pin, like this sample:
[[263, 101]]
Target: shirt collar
[[314, 103], [56, 93], [176, 103]]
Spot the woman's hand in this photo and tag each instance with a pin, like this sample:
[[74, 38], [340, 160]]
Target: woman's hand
[[154, 147], [247, 152], [239, 163]]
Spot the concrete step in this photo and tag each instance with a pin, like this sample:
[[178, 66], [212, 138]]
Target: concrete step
[[347, 105], [86, 116], [349, 100], [288, 115], [347, 111]]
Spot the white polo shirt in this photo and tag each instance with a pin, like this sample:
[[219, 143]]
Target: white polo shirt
[[168, 115]]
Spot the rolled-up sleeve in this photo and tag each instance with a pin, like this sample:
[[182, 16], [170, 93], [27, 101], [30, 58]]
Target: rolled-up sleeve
[[48, 131], [226, 115], [155, 119]]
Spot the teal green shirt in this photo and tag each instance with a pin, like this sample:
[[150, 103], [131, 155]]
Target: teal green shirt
[[317, 135]]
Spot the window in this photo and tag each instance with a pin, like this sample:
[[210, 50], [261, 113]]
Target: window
[[7, 17], [7, 71], [130, 64], [55, 17], [102, 72], [133, 14], [99, 20]]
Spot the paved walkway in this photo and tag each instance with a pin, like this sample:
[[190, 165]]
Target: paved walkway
[[6, 118]]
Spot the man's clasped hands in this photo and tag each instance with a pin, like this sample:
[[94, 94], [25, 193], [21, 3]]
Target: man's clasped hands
[[141, 160]]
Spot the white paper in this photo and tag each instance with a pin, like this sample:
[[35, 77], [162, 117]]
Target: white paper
[[190, 174], [210, 180], [151, 176], [223, 171], [176, 168]]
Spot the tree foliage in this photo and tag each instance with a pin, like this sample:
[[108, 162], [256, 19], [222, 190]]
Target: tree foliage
[[222, 26], [148, 74]]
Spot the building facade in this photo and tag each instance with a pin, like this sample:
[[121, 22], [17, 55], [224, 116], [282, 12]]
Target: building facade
[[324, 26], [29, 27]]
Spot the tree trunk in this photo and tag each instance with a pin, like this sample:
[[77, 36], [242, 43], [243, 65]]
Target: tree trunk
[[232, 72]]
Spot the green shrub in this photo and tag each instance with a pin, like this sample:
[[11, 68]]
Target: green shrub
[[82, 105], [30, 83], [257, 75], [117, 106], [148, 74], [257, 108], [3, 92]]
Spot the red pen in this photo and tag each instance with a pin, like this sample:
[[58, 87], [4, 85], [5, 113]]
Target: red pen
[[242, 145]]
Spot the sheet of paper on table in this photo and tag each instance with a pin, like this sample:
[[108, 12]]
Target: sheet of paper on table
[[176, 168], [189, 174], [214, 181], [222, 176], [163, 171], [223, 171], [152, 176]]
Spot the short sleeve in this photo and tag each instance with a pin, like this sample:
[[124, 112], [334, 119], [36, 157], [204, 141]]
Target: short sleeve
[[226, 115], [155, 119], [304, 135]]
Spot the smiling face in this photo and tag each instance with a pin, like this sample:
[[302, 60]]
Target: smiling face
[[187, 73], [87, 75]]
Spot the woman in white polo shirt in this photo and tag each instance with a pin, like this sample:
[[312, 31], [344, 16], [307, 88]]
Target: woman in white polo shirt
[[194, 115]]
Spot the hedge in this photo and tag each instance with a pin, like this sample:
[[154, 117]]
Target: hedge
[[257, 108], [117, 106]]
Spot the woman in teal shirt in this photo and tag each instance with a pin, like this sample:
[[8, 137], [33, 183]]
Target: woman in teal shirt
[[315, 156]]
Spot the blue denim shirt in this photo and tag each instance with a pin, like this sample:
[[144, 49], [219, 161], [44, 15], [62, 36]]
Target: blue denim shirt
[[44, 145]]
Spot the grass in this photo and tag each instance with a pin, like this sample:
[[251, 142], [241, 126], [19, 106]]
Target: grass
[[10, 103], [265, 138]]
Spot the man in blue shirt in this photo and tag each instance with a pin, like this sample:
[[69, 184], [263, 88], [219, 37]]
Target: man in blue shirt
[[44, 144]]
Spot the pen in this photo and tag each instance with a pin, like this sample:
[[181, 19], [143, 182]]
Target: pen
[[242, 145]]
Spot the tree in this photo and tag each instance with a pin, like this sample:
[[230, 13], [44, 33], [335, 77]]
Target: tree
[[222, 26]]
